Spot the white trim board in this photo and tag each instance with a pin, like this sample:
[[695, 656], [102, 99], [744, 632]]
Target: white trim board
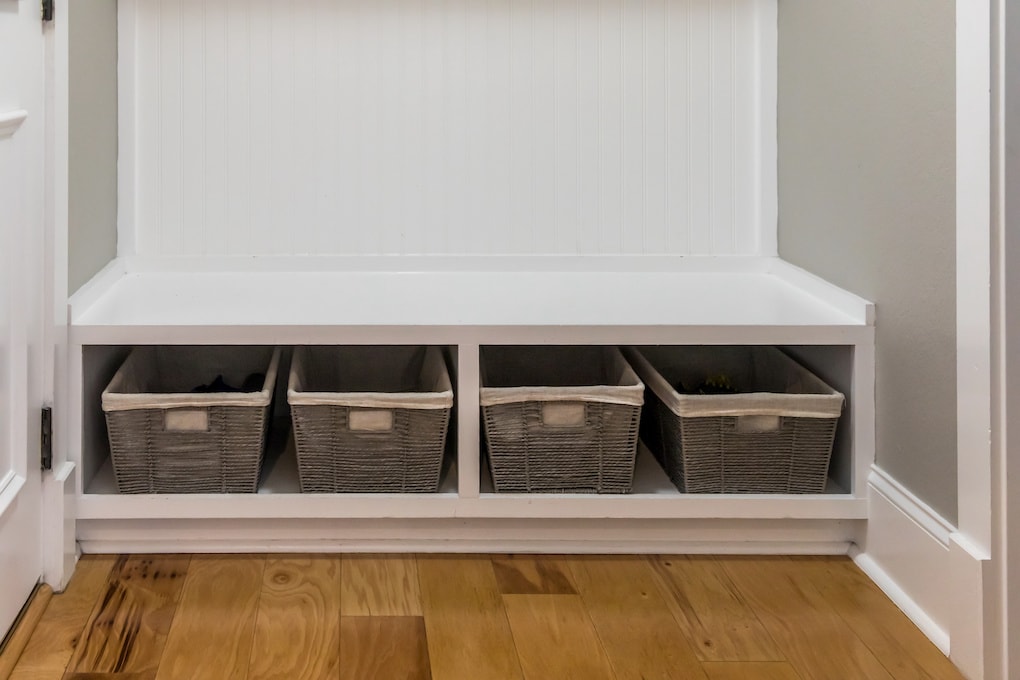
[[906, 552], [926, 567], [695, 536], [693, 293]]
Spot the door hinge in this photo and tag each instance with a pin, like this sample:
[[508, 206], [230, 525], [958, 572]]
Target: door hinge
[[47, 10], [46, 439]]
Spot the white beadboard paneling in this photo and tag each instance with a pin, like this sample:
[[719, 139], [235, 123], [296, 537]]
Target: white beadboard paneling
[[261, 169], [217, 131], [700, 127], [237, 129], [545, 75], [722, 82], [451, 127], [610, 135], [679, 209], [588, 129], [166, 160], [634, 111], [656, 127], [747, 158], [196, 121]]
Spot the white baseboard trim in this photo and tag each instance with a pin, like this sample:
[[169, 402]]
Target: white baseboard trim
[[905, 551], [938, 635], [456, 535], [919, 511], [59, 555], [924, 565], [198, 546]]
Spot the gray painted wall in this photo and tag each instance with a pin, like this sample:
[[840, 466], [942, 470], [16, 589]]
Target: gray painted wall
[[92, 222], [867, 201]]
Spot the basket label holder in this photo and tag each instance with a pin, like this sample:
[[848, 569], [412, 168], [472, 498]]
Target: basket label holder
[[758, 424], [563, 414], [186, 420], [370, 420]]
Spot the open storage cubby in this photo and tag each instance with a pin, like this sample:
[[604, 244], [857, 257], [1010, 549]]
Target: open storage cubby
[[460, 175], [833, 364], [280, 466]]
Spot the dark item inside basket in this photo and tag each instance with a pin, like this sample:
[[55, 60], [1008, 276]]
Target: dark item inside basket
[[713, 384], [252, 383]]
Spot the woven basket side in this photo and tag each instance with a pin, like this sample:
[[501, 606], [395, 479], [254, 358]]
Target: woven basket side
[[407, 458], [712, 455], [227, 458], [527, 456]]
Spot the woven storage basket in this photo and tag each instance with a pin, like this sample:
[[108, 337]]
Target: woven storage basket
[[775, 436], [369, 419], [166, 439], [560, 419]]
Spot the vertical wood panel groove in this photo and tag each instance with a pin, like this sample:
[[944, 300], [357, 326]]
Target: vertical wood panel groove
[[182, 205], [712, 118], [401, 126], [687, 137], [203, 222]]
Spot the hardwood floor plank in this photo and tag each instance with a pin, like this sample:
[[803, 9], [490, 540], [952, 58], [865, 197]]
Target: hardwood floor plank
[[38, 674], [711, 612], [465, 622], [49, 651], [127, 630], [633, 621], [297, 630], [905, 652], [812, 636], [555, 638], [111, 676], [531, 575], [380, 585], [750, 670], [23, 629], [282, 617], [211, 635], [383, 648]]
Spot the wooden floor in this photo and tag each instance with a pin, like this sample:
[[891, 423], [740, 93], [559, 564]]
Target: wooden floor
[[474, 618]]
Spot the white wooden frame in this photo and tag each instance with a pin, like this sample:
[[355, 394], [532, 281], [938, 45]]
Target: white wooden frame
[[977, 640]]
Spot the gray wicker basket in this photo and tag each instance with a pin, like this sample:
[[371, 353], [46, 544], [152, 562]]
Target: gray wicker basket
[[369, 419], [774, 437], [560, 419], [166, 439]]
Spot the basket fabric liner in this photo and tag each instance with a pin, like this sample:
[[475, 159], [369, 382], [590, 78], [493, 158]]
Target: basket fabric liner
[[589, 374], [392, 377], [782, 386], [163, 377]]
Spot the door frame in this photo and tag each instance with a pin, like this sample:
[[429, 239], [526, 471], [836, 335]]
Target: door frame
[[59, 485]]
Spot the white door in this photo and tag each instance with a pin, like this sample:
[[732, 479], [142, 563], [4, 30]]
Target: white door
[[22, 267]]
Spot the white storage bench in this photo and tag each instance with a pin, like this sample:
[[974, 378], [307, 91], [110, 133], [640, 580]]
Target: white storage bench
[[465, 306]]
